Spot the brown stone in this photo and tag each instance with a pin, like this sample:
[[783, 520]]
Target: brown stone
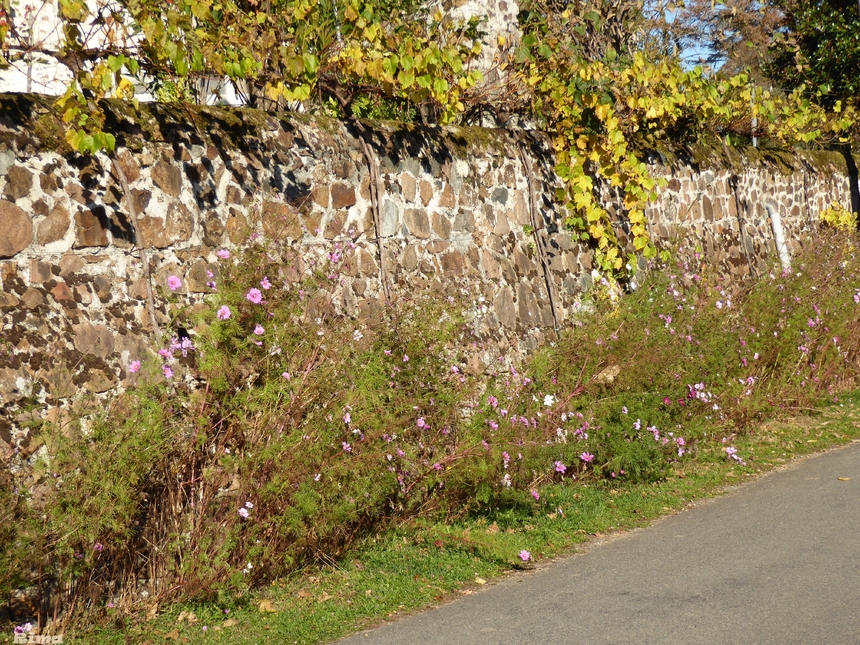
[[61, 292], [16, 229], [409, 259], [168, 178], [447, 199], [137, 290], [213, 229], [89, 230], [437, 246], [55, 226], [198, 276], [47, 179], [342, 196], [238, 229], [280, 221], [320, 196], [343, 169], [59, 381], [39, 271], [160, 233], [441, 225], [19, 182], [129, 166], [334, 226], [234, 194], [426, 190], [70, 263], [76, 192], [407, 183], [707, 208], [39, 207], [93, 339], [8, 299], [141, 200], [32, 298], [417, 223], [99, 381], [83, 294], [452, 262], [506, 313], [367, 262], [313, 223], [9, 385], [521, 211]]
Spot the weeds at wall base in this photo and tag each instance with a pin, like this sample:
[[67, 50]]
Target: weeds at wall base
[[280, 437]]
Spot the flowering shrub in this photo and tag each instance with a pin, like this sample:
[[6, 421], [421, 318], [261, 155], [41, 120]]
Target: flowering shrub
[[277, 431]]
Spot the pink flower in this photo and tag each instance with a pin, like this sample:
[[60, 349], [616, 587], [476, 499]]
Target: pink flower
[[167, 371], [134, 366], [224, 312], [587, 457], [346, 447], [255, 296], [223, 254], [286, 375], [265, 283], [244, 512], [405, 358], [249, 505], [259, 330], [174, 282], [421, 423], [525, 556], [667, 400], [99, 547], [347, 418], [560, 467], [536, 494]]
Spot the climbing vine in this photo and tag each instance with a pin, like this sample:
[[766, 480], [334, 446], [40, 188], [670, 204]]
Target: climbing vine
[[602, 106]]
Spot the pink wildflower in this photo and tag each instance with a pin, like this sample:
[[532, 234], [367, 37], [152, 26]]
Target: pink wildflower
[[223, 254], [134, 366], [167, 371], [265, 283], [174, 282], [525, 556], [223, 312], [255, 296], [587, 457], [243, 512], [560, 467], [259, 330], [536, 494]]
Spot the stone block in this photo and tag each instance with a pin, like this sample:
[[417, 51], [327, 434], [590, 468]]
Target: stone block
[[168, 178], [19, 183], [426, 192], [39, 271], [280, 221], [159, 233], [417, 223], [441, 225], [92, 339], [89, 230], [409, 186], [55, 226], [342, 196], [16, 229]]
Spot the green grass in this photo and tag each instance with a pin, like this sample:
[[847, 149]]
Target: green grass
[[421, 563]]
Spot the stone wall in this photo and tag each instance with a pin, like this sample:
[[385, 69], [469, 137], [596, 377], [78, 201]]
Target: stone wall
[[456, 209]]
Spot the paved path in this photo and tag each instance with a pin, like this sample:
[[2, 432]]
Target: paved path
[[775, 562]]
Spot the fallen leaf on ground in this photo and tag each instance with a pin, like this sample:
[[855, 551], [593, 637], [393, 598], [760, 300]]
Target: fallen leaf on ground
[[172, 635], [325, 597], [229, 623], [845, 479], [480, 581], [266, 607]]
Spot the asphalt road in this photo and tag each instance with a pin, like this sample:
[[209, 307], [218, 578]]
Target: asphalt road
[[776, 561]]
